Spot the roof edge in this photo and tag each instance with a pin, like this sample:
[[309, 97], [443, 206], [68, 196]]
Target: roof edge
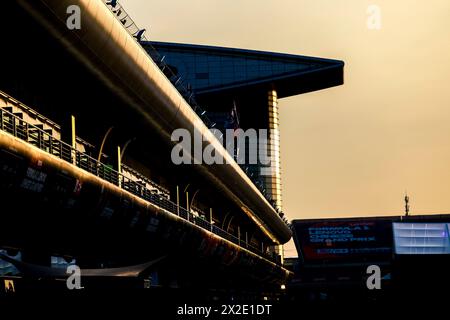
[[231, 50]]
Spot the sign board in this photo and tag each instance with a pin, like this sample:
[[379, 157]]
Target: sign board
[[344, 240]]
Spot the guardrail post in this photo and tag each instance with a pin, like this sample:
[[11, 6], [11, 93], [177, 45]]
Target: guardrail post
[[39, 139], [26, 131], [211, 219], [50, 141], [239, 235], [187, 205], [74, 139], [14, 126], [246, 239], [178, 201]]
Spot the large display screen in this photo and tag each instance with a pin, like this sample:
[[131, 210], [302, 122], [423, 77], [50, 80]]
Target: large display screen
[[349, 240], [422, 238]]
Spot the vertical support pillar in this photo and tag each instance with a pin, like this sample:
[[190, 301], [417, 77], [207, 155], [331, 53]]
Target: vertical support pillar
[[187, 204], [273, 180], [239, 235], [74, 132], [119, 160], [68, 135], [211, 218]]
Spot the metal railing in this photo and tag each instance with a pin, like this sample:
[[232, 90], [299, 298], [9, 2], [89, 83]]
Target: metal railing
[[43, 140], [121, 15], [143, 180], [177, 81], [127, 22]]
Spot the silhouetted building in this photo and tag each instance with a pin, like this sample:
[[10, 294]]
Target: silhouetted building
[[85, 151], [334, 256]]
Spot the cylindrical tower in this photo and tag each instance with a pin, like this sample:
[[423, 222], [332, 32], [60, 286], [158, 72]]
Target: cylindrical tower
[[273, 175]]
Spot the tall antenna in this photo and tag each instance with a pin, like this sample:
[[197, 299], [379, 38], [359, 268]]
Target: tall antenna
[[406, 204]]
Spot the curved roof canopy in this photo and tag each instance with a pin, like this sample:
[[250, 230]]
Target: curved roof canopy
[[210, 70]]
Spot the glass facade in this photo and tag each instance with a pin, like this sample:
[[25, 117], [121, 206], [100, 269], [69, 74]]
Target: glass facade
[[205, 70]]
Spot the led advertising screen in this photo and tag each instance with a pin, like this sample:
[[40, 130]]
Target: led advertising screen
[[347, 240]]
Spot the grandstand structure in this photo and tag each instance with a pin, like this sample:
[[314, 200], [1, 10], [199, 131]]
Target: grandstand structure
[[86, 118]]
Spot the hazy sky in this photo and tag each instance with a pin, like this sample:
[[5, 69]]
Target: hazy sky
[[354, 149]]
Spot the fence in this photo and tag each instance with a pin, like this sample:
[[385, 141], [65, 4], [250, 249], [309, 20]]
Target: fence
[[40, 138]]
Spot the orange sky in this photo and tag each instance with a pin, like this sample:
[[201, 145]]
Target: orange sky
[[354, 149]]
